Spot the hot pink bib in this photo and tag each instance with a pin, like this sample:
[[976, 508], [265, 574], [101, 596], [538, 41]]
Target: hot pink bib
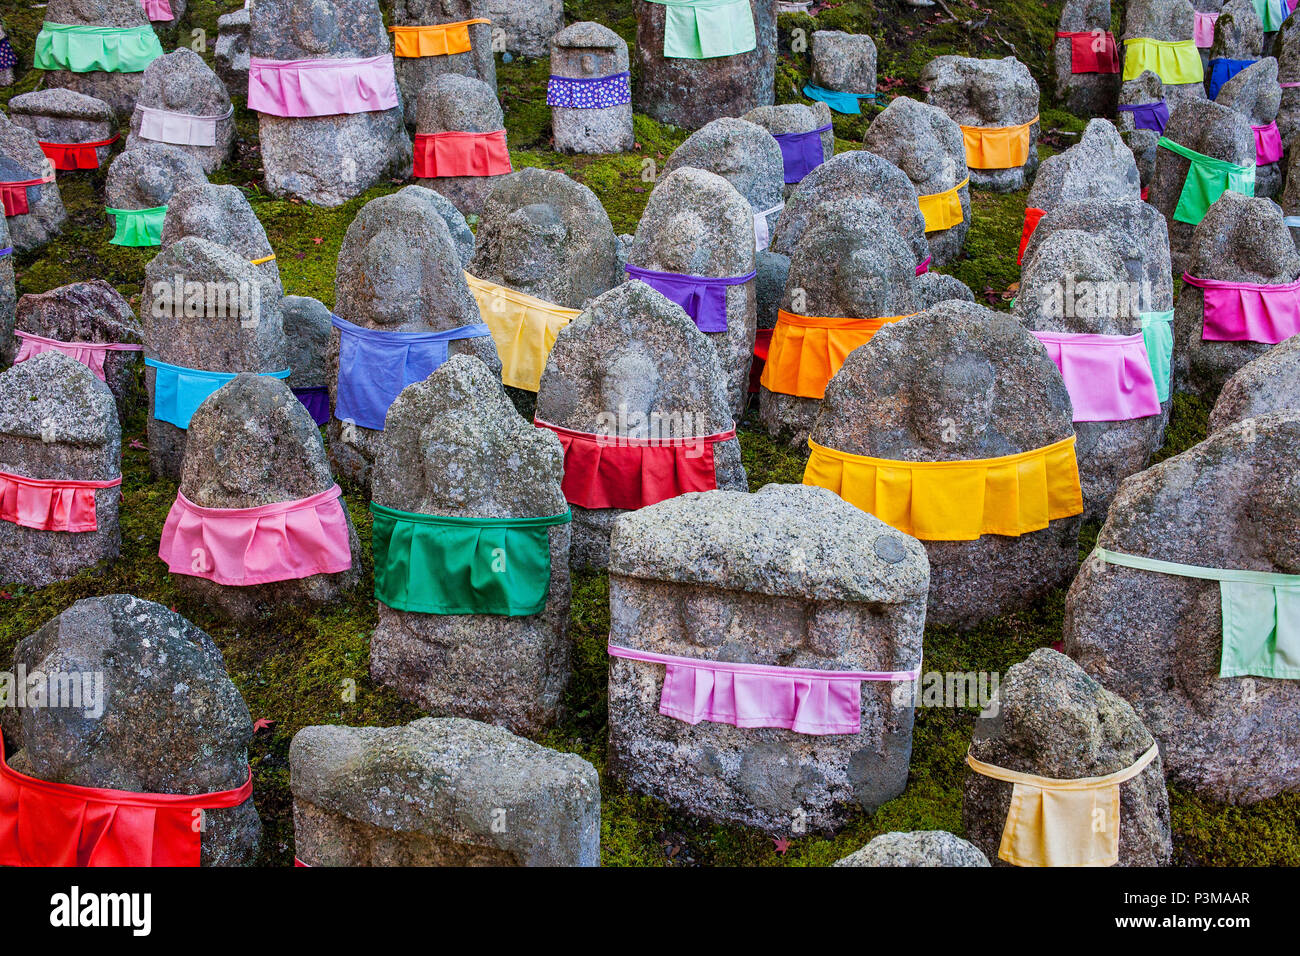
[[1268, 144], [89, 354], [50, 504], [247, 546], [321, 87], [805, 701], [1108, 377], [1246, 312]]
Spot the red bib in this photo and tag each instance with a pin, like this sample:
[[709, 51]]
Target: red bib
[[1092, 51], [605, 471], [73, 156], [60, 824]]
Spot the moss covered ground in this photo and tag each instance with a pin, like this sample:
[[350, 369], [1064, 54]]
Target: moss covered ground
[[296, 669]]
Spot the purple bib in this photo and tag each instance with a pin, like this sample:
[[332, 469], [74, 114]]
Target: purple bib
[[801, 152], [704, 299], [1152, 116], [316, 399], [582, 93]]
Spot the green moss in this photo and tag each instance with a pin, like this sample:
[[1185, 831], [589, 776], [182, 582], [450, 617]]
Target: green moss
[[301, 668]]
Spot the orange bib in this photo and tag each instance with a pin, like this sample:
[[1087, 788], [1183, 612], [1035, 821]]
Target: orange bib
[[806, 351], [441, 39]]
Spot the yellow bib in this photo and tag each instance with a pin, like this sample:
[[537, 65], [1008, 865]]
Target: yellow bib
[[1062, 822], [997, 147], [942, 210], [1174, 61], [439, 39], [523, 327], [956, 500]]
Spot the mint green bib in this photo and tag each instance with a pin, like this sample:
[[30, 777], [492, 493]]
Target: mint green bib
[[704, 29], [1158, 336], [1261, 615]]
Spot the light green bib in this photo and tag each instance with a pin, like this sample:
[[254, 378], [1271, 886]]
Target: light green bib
[[137, 227], [704, 29], [1261, 615]]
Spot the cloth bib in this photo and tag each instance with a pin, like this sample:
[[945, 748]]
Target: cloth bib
[[457, 153], [800, 699], [87, 49], [847, 103], [139, 228], [374, 366], [439, 39], [240, 547], [1260, 610], [54, 504], [179, 129], [438, 564], [89, 354], [1207, 179], [608, 471], [704, 29], [1092, 51], [943, 210], [1174, 61], [1222, 70], [1152, 116], [1055, 822], [68, 157], [704, 298], [806, 350], [1109, 377], [523, 327], [324, 87], [179, 391], [1247, 312], [956, 500], [588, 93], [14, 197], [997, 147]]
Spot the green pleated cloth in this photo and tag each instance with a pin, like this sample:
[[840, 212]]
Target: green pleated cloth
[[1158, 337], [85, 49], [435, 564], [137, 227], [1207, 179], [704, 29]]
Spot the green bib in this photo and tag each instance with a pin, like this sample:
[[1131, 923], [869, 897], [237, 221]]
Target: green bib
[[86, 49], [137, 227], [703, 29], [1158, 336], [1261, 615], [1207, 179], [434, 564]]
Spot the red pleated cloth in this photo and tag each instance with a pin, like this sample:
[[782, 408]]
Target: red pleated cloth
[[1092, 51], [461, 154], [59, 824], [73, 156], [606, 471], [1032, 215], [50, 504], [13, 195], [762, 342]]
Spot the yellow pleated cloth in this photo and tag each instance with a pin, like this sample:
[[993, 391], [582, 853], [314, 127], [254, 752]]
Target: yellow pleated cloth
[[956, 500], [997, 147], [439, 39], [942, 210], [523, 328], [1062, 822]]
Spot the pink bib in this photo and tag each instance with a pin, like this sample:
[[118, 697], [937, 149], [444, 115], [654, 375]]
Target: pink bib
[[1246, 312], [1203, 28], [1109, 377], [57, 504], [89, 354], [245, 546], [321, 87], [814, 702]]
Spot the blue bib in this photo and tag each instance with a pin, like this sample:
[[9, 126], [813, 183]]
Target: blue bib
[[179, 391], [374, 366], [1222, 70], [840, 102]]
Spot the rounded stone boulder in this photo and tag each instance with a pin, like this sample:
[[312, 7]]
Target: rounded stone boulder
[[918, 848], [927, 146], [1231, 502], [1050, 719], [960, 382]]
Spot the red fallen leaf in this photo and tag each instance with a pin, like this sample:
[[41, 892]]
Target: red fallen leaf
[[263, 723], [6, 596], [317, 240], [782, 845], [992, 294], [1058, 646], [137, 444]]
